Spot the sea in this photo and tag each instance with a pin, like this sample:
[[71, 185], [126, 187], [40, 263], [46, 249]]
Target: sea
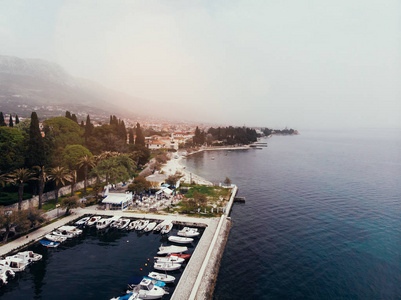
[[322, 218]]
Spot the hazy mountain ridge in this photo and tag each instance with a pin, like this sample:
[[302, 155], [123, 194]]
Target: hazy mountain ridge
[[34, 84]]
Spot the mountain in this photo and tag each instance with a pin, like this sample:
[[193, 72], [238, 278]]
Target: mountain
[[33, 84]]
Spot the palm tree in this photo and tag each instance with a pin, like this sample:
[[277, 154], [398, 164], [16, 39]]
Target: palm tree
[[42, 177], [19, 177], [74, 176], [86, 162], [60, 176]]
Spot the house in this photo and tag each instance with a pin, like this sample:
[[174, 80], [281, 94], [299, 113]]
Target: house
[[117, 201]]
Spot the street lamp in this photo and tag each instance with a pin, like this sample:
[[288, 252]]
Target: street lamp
[[57, 205]]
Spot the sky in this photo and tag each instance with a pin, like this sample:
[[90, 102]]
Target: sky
[[275, 63]]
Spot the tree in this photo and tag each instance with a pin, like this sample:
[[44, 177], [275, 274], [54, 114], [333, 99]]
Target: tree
[[12, 148], [35, 155], [11, 124], [68, 114], [35, 217], [131, 136], [10, 218], [70, 203], [2, 121], [227, 181], [140, 184], [74, 118], [72, 154], [42, 177], [88, 128], [60, 176], [16, 120], [86, 162], [74, 177], [172, 179], [116, 168], [19, 177], [140, 139]]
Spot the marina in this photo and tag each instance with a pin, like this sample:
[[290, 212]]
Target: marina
[[198, 277]]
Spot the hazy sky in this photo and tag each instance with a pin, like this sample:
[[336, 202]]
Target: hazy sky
[[276, 63]]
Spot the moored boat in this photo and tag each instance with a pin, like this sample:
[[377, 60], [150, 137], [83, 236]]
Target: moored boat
[[5, 273], [162, 277], [92, 221], [167, 228], [150, 226], [171, 249], [147, 289], [141, 225], [29, 255], [188, 232], [166, 266], [182, 255], [174, 259], [180, 240], [132, 225], [123, 223], [160, 225], [55, 238], [82, 221], [49, 244], [105, 222]]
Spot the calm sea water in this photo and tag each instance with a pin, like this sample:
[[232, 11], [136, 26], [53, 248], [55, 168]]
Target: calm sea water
[[96, 265], [322, 218]]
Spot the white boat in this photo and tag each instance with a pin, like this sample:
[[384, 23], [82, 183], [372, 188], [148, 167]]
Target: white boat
[[103, 223], [29, 255], [174, 259], [166, 266], [161, 225], [92, 221], [167, 228], [188, 232], [142, 224], [82, 221], [5, 274], [150, 226], [14, 263], [123, 223], [162, 277], [147, 289], [180, 239], [70, 229], [171, 249], [132, 225], [63, 234], [55, 238]]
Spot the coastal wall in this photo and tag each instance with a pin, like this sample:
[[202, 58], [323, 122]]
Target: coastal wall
[[34, 201]]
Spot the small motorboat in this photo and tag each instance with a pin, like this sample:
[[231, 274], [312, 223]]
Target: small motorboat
[[63, 234], [150, 226], [167, 228], [162, 277], [123, 223], [103, 223], [171, 249], [70, 229], [174, 259], [166, 266], [92, 221], [55, 238], [29, 255], [5, 274], [160, 226], [188, 232], [16, 264], [49, 244], [180, 239], [132, 225], [147, 289], [82, 221], [182, 255], [141, 225]]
